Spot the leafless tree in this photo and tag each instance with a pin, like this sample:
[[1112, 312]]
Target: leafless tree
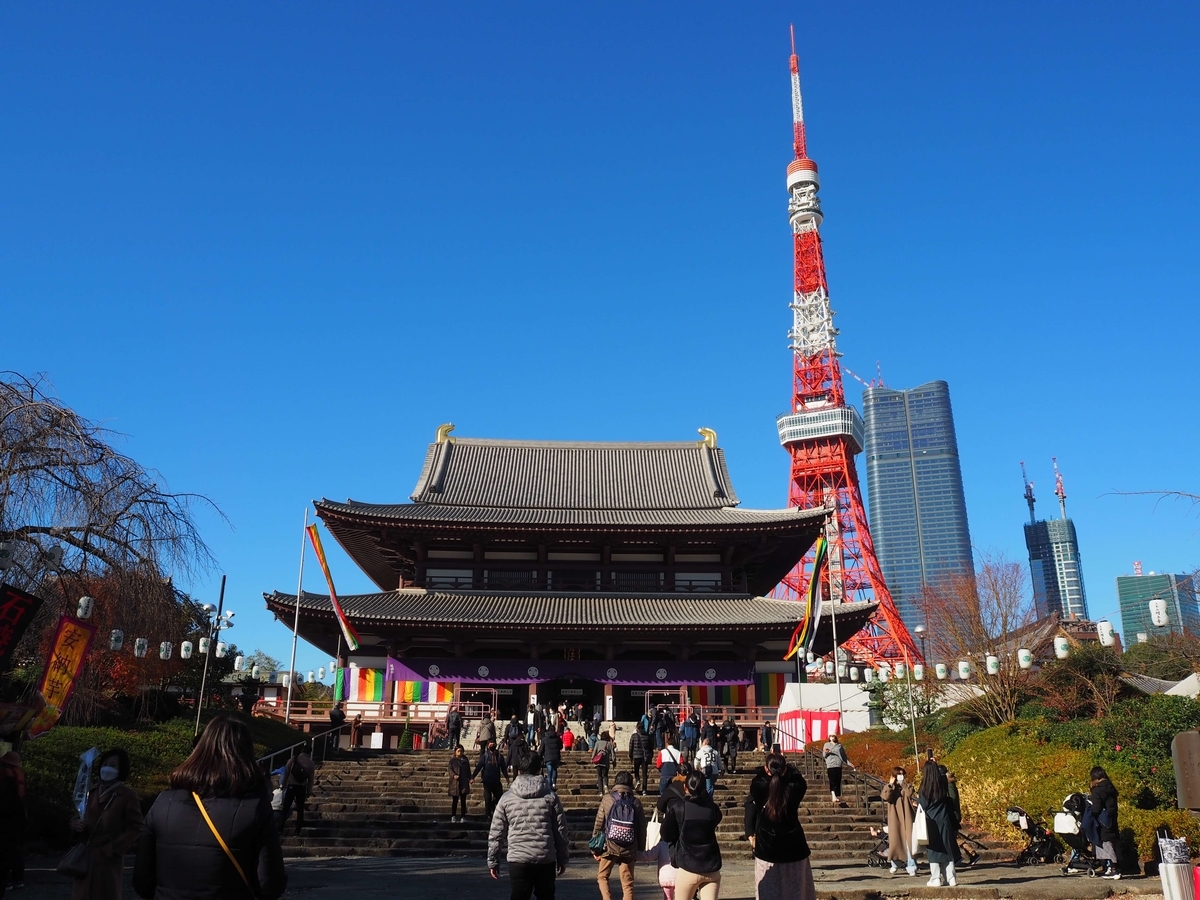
[[972, 617]]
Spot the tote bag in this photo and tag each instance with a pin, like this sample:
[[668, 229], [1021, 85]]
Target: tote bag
[[653, 832], [920, 832]]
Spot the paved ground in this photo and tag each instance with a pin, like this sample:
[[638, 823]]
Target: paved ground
[[467, 879]]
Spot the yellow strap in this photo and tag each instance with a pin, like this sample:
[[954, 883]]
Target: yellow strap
[[221, 840]]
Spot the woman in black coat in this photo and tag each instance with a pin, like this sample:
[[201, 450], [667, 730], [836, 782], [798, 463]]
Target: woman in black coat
[[941, 823], [1104, 808], [180, 858], [782, 869], [691, 829]]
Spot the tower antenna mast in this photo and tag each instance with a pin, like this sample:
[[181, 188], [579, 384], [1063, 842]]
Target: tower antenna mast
[[1028, 492], [822, 433], [1058, 488]]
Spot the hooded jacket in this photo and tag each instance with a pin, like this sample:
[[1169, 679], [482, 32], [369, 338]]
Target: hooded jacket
[[536, 825], [1104, 808]]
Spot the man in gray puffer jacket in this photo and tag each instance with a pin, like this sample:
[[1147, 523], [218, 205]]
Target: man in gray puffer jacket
[[532, 817]]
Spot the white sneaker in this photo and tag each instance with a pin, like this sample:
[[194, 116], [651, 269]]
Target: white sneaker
[[912, 871], [952, 882], [935, 875], [894, 868]]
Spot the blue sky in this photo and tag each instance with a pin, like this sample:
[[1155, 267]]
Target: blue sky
[[276, 245]]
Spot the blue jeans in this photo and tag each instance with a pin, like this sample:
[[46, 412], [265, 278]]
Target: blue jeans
[[712, 784], [530, 734], [552, 773]]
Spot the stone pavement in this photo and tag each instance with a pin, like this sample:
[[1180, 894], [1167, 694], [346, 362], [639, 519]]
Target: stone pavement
[[458, 878]]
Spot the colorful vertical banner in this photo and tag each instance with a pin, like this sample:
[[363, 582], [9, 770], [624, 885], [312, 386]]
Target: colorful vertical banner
[[806, 630], [347, 629], [424, 692], [367, 685], [339, 684], [17, 610], [718, 695], [66, 659], [770, 687]]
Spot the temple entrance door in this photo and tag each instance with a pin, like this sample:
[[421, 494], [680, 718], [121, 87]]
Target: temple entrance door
[[572, 692]]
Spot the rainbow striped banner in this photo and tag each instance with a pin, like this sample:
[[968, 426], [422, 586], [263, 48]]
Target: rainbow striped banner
[[347, 629], [770, 687], [424, 692], [366, 685], [718, 695], [806, 630]]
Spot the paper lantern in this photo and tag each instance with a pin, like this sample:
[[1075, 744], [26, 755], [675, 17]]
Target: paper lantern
[[333, 665], [222, 649], [918, 671], [185, 650], [140, 647], [85, 607], [1158, 613], [239, 662], [1062, 647], [854, 673], [1106, 633], [883, 676], [312, 676], [941, 670], [868, 675], [993, 665], [828, 667], [164, 650], [321, 674], [1025, 658], [964, 669], [841, 670], [901, 670], [811, 657], [204, 645], [116, 640], [255, 672]]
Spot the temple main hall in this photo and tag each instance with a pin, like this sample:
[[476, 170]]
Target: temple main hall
[[608, 574]]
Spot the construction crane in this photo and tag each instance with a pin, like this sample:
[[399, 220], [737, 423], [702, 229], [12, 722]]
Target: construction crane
[[1028, 492]]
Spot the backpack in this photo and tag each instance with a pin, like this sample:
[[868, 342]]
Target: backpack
[[298, 773], [620, 824]]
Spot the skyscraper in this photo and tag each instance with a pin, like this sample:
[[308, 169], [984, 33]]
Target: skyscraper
[[1054, 563], [918, 513], [1134, 593]]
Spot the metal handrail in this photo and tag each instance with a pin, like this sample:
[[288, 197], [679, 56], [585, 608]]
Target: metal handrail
[[310, 739]]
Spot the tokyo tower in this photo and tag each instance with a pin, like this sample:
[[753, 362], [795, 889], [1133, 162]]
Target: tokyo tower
[[822, 433]]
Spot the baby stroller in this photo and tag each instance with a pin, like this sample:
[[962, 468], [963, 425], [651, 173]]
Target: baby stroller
[[1068, 825], [1043, 846], [877, 858]]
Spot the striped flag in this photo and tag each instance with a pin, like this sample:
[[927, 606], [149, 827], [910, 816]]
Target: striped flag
[[347, 629], [806, 630]]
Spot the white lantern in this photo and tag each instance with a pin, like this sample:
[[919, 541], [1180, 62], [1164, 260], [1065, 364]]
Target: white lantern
[[140, 647], [883, 675], [811, 657], [85, 607], [854, 673], [1025, 658], [239, 663], [164, 650], [222, 649], [828, 667], [116, 640], [868, 675], [841, 670], [321, 674], [333, 665], [1158, 613], [941, 670], [901, 670], [1062, 647], [204, 645], [185, 650], [964, 669], [993, 665], [1106, 633], [918, 671], [312, 676], [256, 671]]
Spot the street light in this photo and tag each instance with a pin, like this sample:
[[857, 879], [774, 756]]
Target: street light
[[213, 626]]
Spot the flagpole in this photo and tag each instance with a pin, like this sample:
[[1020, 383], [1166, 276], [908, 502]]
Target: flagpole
[[287, 715]]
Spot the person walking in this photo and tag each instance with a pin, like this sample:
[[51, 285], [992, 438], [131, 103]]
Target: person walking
[[731, 738], [514, 748], [898, 795], [531, 819], [782, 864], [111, 822], [356, 727], [689, 735], [835, 759], [690, 828], [337, 720], [552, 747], [640, 754], [710, 731], [487, 732], [602, 759], [708, 763], [676, 789], [941, 825], [1104, 808], [622, 821], [454, 725], [459, 769], [298, 778], [211, 836], [489, 766], [13, 819], [767, 737], [668, 763]]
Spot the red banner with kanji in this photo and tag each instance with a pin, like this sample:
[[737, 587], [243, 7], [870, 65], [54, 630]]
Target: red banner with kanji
[[17, 610], [66, 659]]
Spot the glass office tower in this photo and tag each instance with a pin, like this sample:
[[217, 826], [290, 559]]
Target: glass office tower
[[1055, 569], [1134, 593], [918, 514]]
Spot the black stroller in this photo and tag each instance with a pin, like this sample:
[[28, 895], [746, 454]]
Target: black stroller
[[1068, 825], [1043, 847]]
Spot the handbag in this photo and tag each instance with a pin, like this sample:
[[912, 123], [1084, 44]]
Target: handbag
[[653, 832], [920, 832], [220, 840], [598, 844], [77, 863]]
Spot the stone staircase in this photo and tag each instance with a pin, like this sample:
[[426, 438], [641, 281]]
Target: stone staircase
[[394, 803]]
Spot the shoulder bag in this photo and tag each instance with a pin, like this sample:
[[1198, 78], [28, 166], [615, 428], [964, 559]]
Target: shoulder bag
[[653, 832], [220, 840], [920, 830], [77, 862]]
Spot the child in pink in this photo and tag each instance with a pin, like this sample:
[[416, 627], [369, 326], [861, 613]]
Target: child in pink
[[661, 854]]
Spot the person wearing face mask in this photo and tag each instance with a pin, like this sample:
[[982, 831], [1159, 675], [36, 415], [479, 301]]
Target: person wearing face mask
[[898, 795], [111, 823]]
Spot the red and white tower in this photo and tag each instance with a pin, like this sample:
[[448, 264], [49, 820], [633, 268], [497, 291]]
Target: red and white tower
[[822, 433]]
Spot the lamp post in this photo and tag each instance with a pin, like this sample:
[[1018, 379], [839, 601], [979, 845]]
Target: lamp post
[[213, 626]]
